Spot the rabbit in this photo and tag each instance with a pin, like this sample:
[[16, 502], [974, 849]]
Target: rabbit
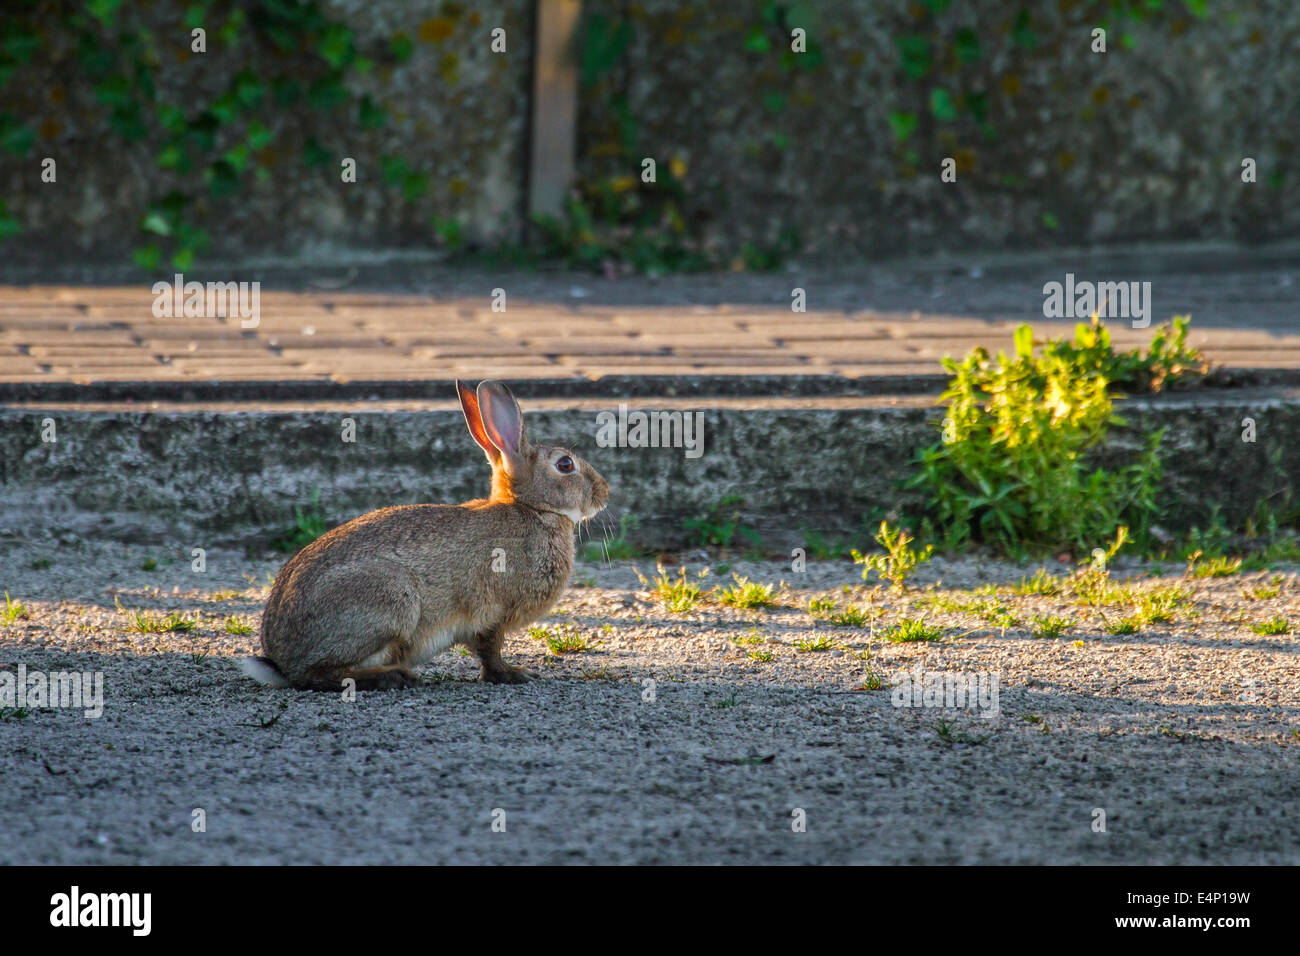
[[394, 587]]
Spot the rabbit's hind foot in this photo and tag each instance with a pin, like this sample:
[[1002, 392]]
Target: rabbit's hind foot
[[370, 678]]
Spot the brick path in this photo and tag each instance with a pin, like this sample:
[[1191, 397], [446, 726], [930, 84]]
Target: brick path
[[108, 333]]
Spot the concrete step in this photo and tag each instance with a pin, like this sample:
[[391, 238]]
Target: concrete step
[[234, 470]]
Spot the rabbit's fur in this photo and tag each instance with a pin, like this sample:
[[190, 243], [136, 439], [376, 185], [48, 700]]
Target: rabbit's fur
[[396, 586]]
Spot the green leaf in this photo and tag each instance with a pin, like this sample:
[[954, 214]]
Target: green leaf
[[156, 223], [902, 124], [225, 108], [248, 89], [1022, 32], [196, 15], [327, 93], [1024, 339], [147, 257], [414, 186], [915, 53], [259, 137], [171, 118], [20, 46], [229, 31], [369, 115], [335, 45], [394, 169], [967, 45], [15, 138], [104, 11], [313, 154], [604, 43], [941, 105], [9, 226], [237, 157], [401, 46], [222, 178]]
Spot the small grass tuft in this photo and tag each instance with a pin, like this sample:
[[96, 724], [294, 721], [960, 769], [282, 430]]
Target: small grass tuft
[[563, 639], [1049, 625], [1216, 567], [680, 596], [851, 616], [814, 645], [1272, 626], [748, 594], [236, 625], [913, 630], [873, 680], [1043, 582], [14, 611], [821, 607], [1264, 592], [1131, 624], [147, 622]]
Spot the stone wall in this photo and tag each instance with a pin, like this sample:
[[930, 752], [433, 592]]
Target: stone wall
[[456, 115], [1143, 141], [127, 472], [841, 146]]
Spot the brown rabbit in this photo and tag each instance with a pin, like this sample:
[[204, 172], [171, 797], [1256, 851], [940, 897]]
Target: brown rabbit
[[394, 587]]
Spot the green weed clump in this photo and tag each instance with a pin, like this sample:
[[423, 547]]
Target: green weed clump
[[1012, 468], [680, 595], [308, 525], [721, 525], [13, 611], [913, 630], [899, 559], [748, 594]]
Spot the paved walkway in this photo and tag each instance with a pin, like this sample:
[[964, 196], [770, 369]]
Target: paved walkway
[[430, 322]]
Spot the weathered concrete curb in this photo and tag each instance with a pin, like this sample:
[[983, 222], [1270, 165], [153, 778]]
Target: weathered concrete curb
[[236, 471]]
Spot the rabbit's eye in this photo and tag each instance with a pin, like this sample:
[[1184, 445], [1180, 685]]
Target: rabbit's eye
[[564, 465]]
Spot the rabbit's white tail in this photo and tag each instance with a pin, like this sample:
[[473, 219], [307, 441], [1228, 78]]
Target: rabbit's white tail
[[263, 670]]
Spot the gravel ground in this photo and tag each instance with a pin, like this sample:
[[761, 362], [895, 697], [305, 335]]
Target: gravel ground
[[703, 737]]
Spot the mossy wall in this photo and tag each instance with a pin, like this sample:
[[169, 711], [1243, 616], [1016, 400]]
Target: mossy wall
[[834, 151]]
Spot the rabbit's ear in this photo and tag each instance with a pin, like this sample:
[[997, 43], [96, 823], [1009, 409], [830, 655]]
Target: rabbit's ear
[[474, 419], [502, 420]]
